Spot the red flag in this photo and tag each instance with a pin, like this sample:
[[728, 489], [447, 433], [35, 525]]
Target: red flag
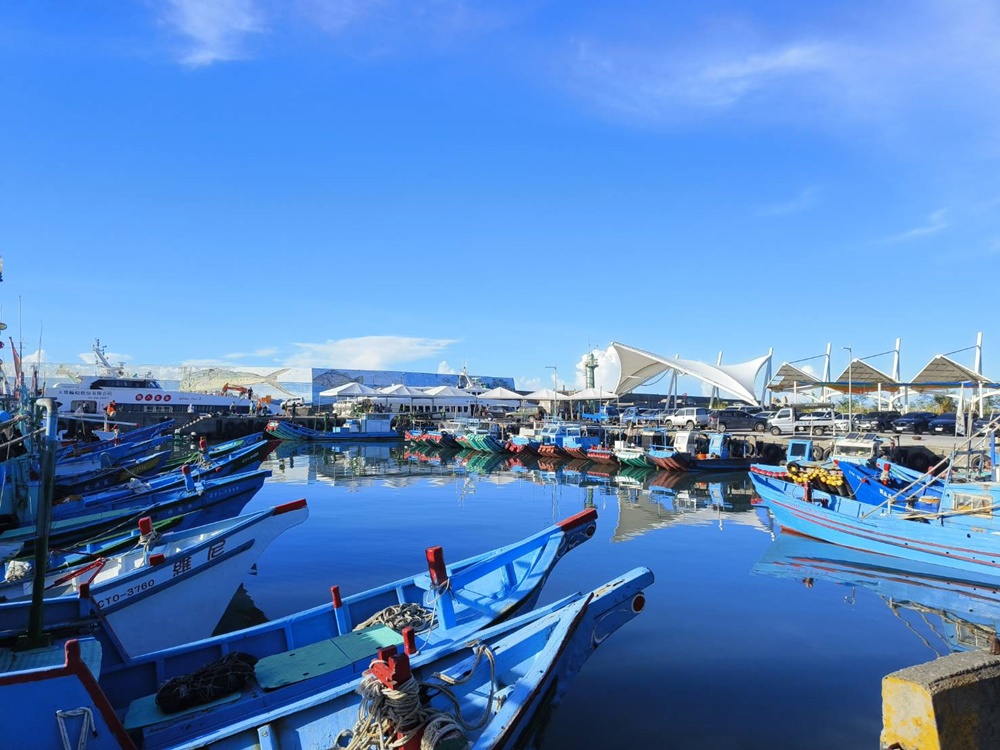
[[17, 365]]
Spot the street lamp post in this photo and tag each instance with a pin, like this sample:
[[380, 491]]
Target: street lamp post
[[850, 400], [555, 385]]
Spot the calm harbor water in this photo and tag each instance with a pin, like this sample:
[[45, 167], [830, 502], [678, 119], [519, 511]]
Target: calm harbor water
[[742, 645]]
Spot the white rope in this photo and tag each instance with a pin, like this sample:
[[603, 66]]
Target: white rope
[[18, 570], [86, 729], [399, 616], [384, 712]]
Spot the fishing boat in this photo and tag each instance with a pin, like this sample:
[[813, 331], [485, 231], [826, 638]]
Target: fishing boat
[[366, 427], [102, 479], [960, 533], [445, 604], [68, 468], [79, 519], [169, 589], [503, 685]]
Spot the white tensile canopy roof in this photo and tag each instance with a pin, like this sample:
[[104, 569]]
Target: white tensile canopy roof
[[403, 391], [789, 378], [941, 369], [448, 391], [593, 394], [546, 394], [501, 394], [638, 366], [861, 377], [350, 389]]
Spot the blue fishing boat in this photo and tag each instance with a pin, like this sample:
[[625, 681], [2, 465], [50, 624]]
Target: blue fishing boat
[[367, 427], [102, 479], [170, 588], [68, 468], [447, 603], [77, 448], [960, 533], [80, 519], [879, 484], [498, 688]]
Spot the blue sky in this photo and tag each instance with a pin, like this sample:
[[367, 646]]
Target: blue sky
[[422, 185]]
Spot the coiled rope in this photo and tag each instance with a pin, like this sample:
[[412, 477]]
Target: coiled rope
[[399, 616], [391, 717]]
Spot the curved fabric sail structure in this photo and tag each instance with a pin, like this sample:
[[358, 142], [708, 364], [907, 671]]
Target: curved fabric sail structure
[[639, 366]]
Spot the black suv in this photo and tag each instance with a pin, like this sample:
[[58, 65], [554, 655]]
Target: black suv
[[915, 422], [735, 419], [876, 421]]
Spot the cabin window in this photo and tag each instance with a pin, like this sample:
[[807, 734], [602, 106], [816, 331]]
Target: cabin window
[[979, 505]]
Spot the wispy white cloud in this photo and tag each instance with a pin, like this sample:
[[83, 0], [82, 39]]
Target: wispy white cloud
[[214, 30], [935, 223], [267, 352], [801, 202], [446, 369], [367, 352], [384, 26], [867, 67], [523, 383]]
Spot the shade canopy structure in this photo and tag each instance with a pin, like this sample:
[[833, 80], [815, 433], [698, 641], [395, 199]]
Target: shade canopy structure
[[942, 372], [448, 391], [546, 394], [501, 394], [350, 389], [594, 394], [639, 366], [402, 391], [791, 378], [861, 377]]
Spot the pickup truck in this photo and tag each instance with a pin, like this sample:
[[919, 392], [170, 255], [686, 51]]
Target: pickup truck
[[789, 420], [604, 414]]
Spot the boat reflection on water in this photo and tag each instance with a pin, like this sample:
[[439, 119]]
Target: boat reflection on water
[[646, 498], [964, 615]]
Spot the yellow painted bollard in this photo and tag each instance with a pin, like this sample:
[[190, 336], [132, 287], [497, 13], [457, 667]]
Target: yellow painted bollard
[[951, 703]]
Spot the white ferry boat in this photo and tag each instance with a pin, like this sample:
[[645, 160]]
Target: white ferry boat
[[139, 395]]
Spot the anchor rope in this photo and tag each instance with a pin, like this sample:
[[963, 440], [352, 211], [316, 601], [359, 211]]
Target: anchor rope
[[391, 717]]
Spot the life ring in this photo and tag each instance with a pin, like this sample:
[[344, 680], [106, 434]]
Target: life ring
[[138, 397], [157, 397], [149, 396], [167, 397]]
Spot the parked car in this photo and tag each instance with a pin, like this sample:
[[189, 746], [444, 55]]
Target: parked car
[[943, 425], [726, 420], [980, 424], [915, 422], [746, 408], [688, 417], [876, 421]]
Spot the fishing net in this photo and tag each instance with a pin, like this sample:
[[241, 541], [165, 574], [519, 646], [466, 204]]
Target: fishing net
[[204, 685]]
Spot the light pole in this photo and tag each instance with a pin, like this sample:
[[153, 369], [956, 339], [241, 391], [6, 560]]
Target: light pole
[[555, 385], [850, 401]]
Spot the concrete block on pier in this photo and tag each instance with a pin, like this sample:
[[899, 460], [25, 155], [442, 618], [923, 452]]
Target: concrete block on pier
[[948, 704]]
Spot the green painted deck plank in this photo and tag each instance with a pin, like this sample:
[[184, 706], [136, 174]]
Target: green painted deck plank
[[323, 657], [143, 712]]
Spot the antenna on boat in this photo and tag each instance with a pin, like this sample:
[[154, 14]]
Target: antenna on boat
[[99, 353]]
